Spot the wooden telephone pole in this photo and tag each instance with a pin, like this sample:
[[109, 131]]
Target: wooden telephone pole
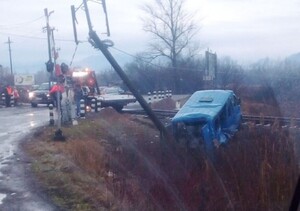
[[10, 59]]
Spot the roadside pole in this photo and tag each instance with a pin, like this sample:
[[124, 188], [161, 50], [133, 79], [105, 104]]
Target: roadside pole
[[49, 63], [58, 136]]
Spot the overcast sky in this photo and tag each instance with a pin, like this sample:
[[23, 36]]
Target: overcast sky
[[245, 30]]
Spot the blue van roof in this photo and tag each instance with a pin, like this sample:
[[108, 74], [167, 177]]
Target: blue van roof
[[204, 104]]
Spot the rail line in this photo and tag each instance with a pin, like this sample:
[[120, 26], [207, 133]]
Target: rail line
[[257, 120]]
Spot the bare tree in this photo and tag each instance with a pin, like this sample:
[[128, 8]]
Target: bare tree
[[173, 30]]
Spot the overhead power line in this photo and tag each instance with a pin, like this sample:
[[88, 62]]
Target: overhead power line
[[35, 37], [24, 24], [147, 62]]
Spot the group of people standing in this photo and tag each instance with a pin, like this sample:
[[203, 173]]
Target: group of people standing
[[9, 92]]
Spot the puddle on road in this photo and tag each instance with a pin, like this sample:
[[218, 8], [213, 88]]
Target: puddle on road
[[2, 196]]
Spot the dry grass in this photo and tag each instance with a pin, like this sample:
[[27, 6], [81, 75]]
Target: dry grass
[[113, 162]]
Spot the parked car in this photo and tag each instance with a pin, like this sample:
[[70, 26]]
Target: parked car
[[41, 95]]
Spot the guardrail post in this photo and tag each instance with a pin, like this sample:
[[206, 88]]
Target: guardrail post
[[170, 93], [154, 95], [149, 97], [12, 100], [82, 108], [3, 98], [51, 115], [93, 105], [98, 105], [159, 94], [163, 94]]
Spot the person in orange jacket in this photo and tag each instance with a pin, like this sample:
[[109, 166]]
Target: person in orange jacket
[[56, 89]]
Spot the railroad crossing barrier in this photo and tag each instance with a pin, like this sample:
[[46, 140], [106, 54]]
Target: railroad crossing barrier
[[51, 115], [82, 108]]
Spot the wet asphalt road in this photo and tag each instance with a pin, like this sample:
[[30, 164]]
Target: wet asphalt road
[[17, 189], [18, 192]]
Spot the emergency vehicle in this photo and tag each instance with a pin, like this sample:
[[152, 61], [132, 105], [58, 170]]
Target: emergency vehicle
[[87, 79]]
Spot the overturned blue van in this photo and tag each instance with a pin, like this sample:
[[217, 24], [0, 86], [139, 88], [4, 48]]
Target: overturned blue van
[[209, 118]]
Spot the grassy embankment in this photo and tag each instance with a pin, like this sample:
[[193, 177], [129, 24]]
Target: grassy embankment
[[117, 162]]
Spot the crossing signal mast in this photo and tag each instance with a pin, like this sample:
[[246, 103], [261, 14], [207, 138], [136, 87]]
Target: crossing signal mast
[[74, 19], [103, 46]]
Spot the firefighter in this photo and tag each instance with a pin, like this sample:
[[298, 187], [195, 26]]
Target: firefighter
[[8, 91]]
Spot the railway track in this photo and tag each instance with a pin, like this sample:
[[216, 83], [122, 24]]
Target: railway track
[[246, 119]]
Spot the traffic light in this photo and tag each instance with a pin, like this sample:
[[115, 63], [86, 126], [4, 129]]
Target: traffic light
[[49, 66]]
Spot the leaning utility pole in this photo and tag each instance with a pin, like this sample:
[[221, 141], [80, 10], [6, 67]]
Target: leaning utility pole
[[97, 43]]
